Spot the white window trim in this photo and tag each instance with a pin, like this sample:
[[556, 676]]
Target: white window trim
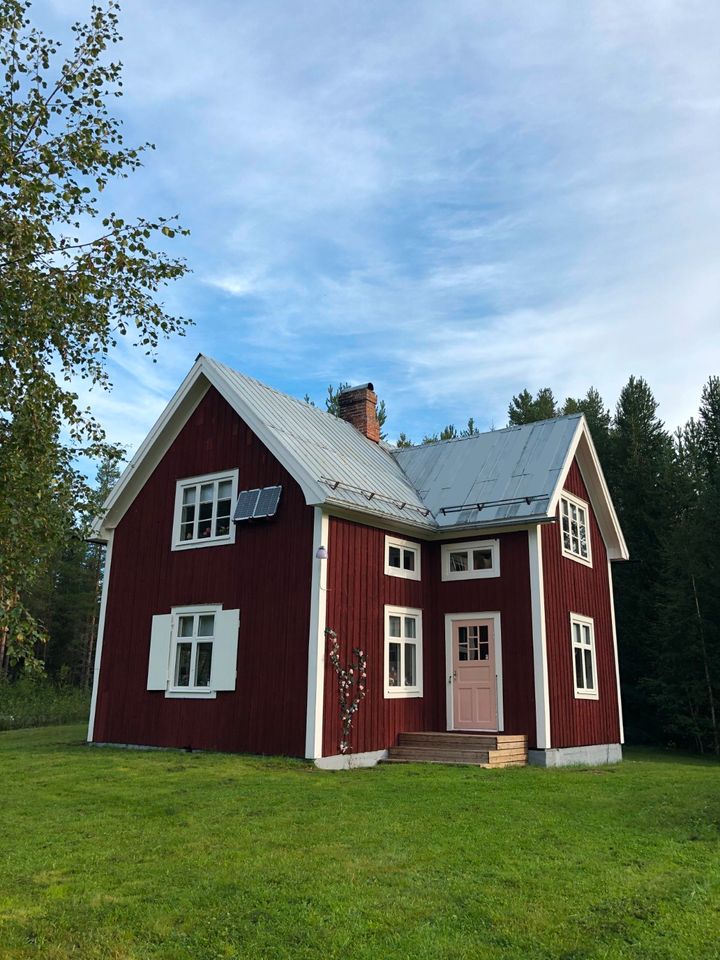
[[400, 571], [188, 693], [177, 543], [448, 548], [582, 620], [586, 561], [393, 693], [450, 618]]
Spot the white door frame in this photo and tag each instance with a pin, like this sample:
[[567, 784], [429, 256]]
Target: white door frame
[[450, 618]]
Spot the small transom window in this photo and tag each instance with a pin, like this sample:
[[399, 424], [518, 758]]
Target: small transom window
[[402, 558], [403, 652], [203, 506], [470, 561], [582, 631], [574, 529]]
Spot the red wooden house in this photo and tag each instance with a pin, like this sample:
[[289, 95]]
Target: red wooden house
[[474, 573]]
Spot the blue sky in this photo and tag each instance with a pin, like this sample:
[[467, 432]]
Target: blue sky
[[454, 200]]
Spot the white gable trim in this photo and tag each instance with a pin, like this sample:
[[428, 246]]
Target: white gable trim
[[204, 373], [583, 448]]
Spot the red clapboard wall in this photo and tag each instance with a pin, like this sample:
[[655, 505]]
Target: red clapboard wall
[[574, 587], [357, 591], [266, 574]]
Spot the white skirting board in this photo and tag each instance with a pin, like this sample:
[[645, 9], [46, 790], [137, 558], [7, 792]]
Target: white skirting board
[[349, 761], [592, 756]]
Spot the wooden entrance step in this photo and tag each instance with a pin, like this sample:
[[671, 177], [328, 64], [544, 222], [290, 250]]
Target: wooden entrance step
[[479, 749]]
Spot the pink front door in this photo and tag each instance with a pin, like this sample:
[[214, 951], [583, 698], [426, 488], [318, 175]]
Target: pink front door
[[474, 688]]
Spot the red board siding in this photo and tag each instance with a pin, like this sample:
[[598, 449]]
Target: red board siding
[[574, 587], [266, 574], [359, 589]]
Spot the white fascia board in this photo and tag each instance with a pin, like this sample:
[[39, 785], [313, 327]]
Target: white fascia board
[[425, 533], [311, 488], [204, 373], [583, 448]]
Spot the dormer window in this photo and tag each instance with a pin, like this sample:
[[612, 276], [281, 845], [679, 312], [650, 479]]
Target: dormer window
[[203, 506], [575, 529]]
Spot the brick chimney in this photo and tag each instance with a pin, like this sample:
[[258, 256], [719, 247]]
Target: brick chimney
[[357, 405]]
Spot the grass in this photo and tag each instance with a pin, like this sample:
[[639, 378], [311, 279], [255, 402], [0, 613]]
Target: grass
[[38, 702], [132, 854]]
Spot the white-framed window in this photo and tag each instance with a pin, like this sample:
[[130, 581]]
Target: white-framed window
[[472, 560], [403, 652], [582, 634], [402, 558], [193, 651], [575, 529], [203, 510]]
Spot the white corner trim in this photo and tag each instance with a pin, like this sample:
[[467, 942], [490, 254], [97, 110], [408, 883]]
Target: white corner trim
[[450, 618], [539, 638], [349, 761], [100, 636], [316, 640], [615, 649]]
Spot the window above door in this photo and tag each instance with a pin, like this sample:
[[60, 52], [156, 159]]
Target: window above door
[[472, 560]]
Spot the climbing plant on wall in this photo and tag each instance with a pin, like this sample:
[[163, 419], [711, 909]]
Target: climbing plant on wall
[[351, 685]]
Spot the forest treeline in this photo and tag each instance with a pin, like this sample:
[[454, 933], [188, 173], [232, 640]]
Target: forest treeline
[[666, 489]]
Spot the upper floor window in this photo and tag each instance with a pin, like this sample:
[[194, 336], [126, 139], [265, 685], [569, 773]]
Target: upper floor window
[[582, 631], [403, 652], [402, 558], [575, 529], [203, 508], [471, 561]]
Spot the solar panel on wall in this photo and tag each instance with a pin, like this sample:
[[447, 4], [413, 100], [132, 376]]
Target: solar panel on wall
[[247, 500], [267, 502], [257, 504]]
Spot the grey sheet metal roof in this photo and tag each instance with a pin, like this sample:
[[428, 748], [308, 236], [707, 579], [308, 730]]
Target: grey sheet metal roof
[[498, 477], [351, 470]]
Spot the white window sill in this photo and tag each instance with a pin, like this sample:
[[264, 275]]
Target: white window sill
[[187, 694], [471, 575], [205, 542], [396, 693], [585, 561], [400, 572], [583, 695]]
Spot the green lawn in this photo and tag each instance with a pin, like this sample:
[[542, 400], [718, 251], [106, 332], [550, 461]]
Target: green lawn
[[143, 854]]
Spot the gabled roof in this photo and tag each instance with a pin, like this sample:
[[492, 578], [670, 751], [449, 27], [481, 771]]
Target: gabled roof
[[511, 476]]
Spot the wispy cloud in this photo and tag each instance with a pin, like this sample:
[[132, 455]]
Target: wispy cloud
[[453, 200]]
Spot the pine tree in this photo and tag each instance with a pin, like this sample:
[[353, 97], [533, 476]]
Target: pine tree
[[640, 467]]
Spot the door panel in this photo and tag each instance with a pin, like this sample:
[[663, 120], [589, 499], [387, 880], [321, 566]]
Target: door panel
[[474, 685]]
